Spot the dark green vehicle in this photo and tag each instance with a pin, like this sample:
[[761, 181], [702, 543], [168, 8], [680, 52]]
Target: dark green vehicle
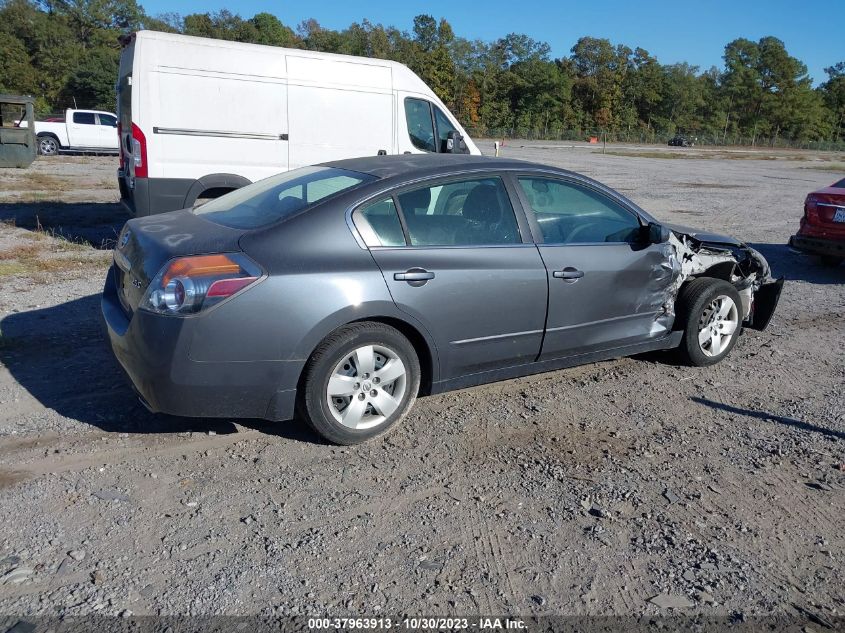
[[17, 143]]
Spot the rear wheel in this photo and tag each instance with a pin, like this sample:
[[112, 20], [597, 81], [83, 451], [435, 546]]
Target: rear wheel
[[48, 146], [359, 382], [709, 312], [830, 260]]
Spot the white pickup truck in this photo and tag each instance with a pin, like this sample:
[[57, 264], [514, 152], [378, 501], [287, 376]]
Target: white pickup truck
[[78, 131]]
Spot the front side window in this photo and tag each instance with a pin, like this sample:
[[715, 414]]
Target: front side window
[[573, 214], [108, 119], [85, 118], [279, 197], [379, 225], [444, 126], [420, 126], [464, 213]]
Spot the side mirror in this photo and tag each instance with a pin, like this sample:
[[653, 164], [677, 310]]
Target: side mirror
[[656, 233], [454, 144]]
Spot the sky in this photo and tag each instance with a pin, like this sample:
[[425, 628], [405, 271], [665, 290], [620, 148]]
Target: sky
[[673, 31]]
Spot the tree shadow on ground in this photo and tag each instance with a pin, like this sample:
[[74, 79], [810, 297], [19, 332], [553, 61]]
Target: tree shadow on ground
[[61, 356], [95, 223], [762, 415]]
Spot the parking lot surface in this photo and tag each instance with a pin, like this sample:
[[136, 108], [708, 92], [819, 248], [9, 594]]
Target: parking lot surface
[[627, 487]]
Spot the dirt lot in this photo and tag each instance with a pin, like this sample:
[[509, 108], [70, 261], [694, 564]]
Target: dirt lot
[[589, 491]]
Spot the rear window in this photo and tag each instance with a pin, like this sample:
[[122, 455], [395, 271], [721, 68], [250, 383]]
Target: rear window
[[279, 197], [85, 118], [839, 185]]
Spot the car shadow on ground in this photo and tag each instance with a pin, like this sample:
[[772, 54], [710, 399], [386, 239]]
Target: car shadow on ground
[[797, 266], [93, 223], [61, 356], [762, 415]]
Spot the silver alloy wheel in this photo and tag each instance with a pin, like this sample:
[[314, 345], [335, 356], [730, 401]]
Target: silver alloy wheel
[[717, 325], [47, 146], [366, 387]]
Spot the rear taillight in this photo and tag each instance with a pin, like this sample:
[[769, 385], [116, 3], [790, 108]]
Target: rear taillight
[[811, 211], [139, 152], [120, 145], [186, 285]]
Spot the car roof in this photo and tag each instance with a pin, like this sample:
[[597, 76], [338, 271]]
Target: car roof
[[417, 165]]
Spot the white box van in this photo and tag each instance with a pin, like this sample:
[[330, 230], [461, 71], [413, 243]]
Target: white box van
[[200, 117]]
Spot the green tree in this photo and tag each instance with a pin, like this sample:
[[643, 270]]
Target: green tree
[[91, 85], [833, 93]]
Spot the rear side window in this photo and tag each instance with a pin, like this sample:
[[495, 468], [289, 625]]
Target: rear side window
[[379, 224], [85, 118], [464, 213], [279, 197], [420, 125], [571, 214]]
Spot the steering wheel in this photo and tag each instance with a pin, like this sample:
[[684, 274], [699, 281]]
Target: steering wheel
[[578, 230]]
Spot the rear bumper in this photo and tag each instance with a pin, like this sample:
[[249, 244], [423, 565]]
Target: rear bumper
[[154, 351], [818, 246], [154, 195]]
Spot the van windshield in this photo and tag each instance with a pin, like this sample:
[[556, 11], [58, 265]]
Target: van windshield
[[279, 197]]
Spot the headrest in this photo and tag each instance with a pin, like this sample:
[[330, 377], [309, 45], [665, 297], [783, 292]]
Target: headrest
[[416, 201], [482, 205]]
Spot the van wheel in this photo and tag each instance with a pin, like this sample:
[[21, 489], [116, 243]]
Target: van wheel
[[48, 146], [708, 310], [359, 382]]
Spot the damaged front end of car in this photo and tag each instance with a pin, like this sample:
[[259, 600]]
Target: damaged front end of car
[[707, 255]]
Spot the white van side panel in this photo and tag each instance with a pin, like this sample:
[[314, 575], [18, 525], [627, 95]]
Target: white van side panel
[[331, 124], [328, 72], [338, 109], [206, 123]]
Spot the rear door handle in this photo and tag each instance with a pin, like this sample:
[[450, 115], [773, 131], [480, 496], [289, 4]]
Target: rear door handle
[[414, 276], [568, 273]]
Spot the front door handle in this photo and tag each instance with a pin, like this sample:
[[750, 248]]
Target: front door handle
[[568, 273], [414, 276]]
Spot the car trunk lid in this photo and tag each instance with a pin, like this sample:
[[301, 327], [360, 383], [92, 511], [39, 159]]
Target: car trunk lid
[[826, 208], [146, 244]]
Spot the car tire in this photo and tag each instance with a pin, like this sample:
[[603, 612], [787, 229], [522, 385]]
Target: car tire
[[830, 261], [359, 382], [708, 310], [48, 145]]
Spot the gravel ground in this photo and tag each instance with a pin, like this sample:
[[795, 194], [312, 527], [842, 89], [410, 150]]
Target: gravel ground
[[632, 487]]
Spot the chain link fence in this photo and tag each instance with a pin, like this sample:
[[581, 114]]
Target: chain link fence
[[649, 137]]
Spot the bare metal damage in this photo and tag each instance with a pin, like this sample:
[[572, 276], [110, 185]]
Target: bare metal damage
[[685, 257]]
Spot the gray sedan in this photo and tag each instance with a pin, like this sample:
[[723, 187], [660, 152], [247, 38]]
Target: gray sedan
[[345, 290]]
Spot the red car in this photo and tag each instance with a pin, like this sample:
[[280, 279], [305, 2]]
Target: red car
[[822, 229]]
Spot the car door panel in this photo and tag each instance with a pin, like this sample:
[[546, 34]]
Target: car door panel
[[459, 261], [485, 307], [616, 300], [607, 285]]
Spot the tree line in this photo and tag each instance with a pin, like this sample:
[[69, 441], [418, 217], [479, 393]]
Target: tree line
[[66, 51]]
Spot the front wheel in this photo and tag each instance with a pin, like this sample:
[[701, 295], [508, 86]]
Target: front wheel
[[48, 146], [708, 310], [359, 382]]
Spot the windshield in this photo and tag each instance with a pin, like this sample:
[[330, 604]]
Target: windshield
[[279, 197]]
